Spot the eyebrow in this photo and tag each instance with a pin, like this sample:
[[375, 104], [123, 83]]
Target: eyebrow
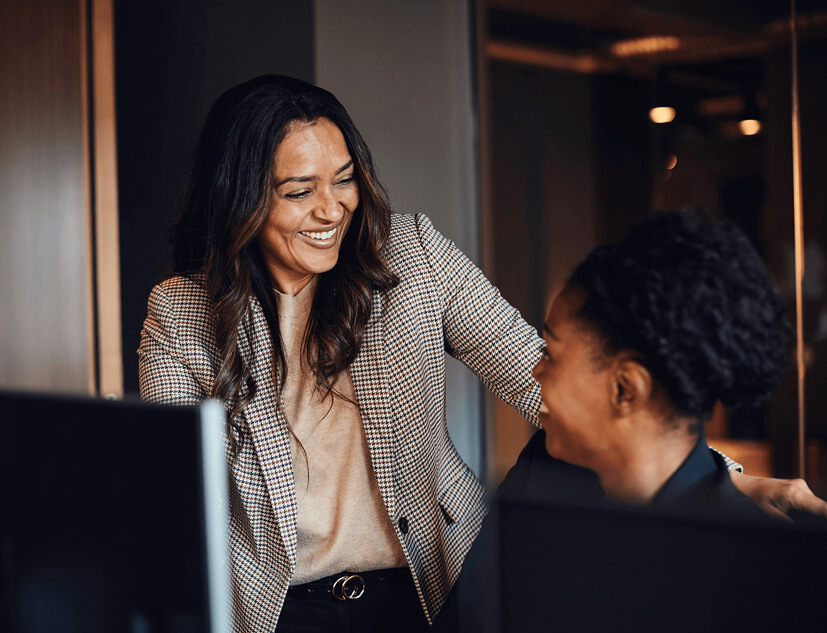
[[347, 165], [547, 330]]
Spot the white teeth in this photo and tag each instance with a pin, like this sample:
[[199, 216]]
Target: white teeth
[[325, 235]]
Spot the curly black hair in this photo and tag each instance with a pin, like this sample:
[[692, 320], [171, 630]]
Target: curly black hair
[[690, 295]]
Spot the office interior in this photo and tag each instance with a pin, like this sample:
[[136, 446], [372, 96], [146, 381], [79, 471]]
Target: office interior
[[528, 130]]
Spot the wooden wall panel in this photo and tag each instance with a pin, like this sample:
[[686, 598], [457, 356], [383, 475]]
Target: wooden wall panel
[[107, 247], [46, 319]]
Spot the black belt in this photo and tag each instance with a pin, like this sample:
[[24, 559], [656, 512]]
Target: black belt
[[348, 585]]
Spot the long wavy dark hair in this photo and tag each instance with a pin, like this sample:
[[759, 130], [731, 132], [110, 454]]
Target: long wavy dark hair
[[227, 200]]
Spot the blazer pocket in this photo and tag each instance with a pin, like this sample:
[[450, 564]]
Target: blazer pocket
[[461, 496]]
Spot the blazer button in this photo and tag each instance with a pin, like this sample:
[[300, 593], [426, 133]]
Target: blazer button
[[403, 525]]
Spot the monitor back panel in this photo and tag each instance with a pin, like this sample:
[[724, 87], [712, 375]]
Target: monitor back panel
[[586, 569], [102, 517]]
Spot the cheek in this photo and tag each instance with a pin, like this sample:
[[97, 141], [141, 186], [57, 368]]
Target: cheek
[[274, 236], [351, 201], [571, 401], [351, 204], [283, 221], [271, 238]]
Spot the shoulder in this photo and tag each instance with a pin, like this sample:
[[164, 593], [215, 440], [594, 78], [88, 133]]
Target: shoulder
[[180, 309], [717, 497], [408, 248], [410, 224], [182, 286], [180, 291], [404, 223], [414, 241], [540, 478], [181, 300], [416, 230], [407, 232]]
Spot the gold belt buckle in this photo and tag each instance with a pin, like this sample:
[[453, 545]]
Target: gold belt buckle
[[349, 587]]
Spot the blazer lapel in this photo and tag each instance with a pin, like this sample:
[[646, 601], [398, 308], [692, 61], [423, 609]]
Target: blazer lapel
[[268, 427], [369, 374]]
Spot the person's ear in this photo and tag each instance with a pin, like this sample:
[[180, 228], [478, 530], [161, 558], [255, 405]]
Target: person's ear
[[632, 387]]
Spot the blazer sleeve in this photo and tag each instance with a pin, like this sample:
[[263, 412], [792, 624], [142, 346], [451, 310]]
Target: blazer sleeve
[[480, 328], [163, 371]]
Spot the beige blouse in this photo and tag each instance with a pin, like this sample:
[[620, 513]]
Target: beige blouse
[[342, 522]]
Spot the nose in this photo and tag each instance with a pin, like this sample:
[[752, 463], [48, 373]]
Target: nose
[[330, 208]]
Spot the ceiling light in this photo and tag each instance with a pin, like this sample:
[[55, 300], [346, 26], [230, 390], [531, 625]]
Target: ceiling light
[[645, 46], [662, 114], [749, 127]]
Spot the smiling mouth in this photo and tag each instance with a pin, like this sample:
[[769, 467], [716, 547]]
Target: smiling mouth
[[320, 236]]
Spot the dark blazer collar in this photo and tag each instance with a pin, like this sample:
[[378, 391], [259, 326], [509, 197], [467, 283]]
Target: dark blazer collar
[[699, 469]]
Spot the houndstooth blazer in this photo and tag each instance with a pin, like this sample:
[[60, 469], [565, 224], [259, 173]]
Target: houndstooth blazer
[[443, 303]]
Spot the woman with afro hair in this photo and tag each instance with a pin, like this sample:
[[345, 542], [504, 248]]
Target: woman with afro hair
[[645, 338], [647, 335]]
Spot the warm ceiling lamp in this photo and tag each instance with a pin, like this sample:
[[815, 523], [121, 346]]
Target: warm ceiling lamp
[[749, 127], [662, 114], [662, 103], [645, 46], [750, 123]]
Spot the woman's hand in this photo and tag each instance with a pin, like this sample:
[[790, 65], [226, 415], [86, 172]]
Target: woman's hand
[[777, 497]]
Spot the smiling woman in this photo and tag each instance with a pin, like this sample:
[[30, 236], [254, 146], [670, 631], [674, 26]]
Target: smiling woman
[[312, 205], [321, 320], [277, 161], [648, 334]]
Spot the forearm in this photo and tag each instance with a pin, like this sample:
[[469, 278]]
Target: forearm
[[777, 497]]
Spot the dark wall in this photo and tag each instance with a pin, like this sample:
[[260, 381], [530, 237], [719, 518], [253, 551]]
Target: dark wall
[[622, 132], [173, 58], [542, 201]]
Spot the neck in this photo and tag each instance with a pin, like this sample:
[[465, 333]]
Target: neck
[[289, 285], [648, 461]]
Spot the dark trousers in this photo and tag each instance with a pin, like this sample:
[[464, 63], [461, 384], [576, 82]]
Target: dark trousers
[[389, 603]]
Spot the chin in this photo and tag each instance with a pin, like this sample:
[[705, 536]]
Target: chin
[[317, 267]]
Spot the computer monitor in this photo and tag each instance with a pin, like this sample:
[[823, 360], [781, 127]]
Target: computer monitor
[[114, 516], [579, 568]]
